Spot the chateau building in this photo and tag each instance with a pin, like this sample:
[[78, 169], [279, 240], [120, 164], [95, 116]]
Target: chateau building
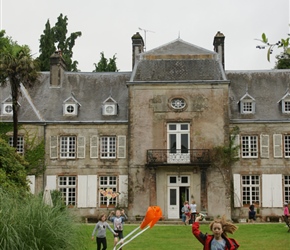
[[149, 134]]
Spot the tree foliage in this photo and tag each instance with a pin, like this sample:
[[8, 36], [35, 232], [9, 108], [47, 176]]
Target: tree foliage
[[12, 169], [106, 65], [16, 67], [283, 59], [55, 38]]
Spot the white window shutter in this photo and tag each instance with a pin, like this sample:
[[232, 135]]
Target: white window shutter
[[94, 141], [92, 191], [51, 182], [236, 143], [81, 148], [123, 189], [31, 179], [264, 146], [53, 147], [272, 192], [277, 145], [121, 146], [237, 190], [82, 190]]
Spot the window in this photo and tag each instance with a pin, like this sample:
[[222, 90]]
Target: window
[[178, 103], [247, 107], [108, 147], [68, 147], [67, 186], [287, 188], [108, 182], [250, 189], [287, 146], [286, 106], [20, 144], [249, 146]]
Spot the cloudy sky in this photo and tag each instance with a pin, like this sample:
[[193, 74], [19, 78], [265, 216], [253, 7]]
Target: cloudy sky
[[108, 26]]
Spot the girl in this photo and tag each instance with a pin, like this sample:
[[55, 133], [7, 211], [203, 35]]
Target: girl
[[218, 240], [186, 212], [101, 227]]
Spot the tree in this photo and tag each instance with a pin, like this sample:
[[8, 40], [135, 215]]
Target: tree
[[283, 59], [12, 169], [16, 67], [55, 38], [104, 66]]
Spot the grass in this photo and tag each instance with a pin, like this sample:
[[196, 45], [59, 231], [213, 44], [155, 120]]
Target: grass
[[172, 237]]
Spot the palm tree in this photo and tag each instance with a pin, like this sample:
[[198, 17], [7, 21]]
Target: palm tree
[[16, 67]]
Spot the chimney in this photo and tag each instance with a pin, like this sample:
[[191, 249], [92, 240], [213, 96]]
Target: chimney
[[137, 47], [219, 46], [57, 68]]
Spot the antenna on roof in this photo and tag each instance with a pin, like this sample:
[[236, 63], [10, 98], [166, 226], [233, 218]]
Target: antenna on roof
[[145, 31]]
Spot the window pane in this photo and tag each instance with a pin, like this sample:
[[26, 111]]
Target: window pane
[[172, 126], [184, 127], [172, 198], [172, 179], [184, 143], [172, 143]]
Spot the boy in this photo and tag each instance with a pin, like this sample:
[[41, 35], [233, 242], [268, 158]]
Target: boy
[[118, 222]]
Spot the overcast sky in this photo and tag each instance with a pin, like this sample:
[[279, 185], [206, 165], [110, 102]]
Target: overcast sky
[[108, 26]]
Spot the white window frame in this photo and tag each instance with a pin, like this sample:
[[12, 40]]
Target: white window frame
[[108, 182], [249, 148], [68, 147], [20, 144], [108, 147], [286, 106], [287, 146], [250, 187], [67, 185], [247, 106], [287, 188], [4, 106]]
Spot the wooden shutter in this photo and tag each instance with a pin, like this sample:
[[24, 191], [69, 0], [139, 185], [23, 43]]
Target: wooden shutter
[[87, 191], [82, 191], [51, 182], [277, 145], [264, 146], [121, 146], [31, 179], [272, 191], [53, 147], [123, 189], [81, 148], [94, 141], [236, 143], [237, 190]]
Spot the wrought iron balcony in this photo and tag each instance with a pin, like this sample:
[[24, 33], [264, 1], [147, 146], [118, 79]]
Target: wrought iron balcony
[[178, 156]]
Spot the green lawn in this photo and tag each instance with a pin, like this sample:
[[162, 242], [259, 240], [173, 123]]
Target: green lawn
[[171, 237]]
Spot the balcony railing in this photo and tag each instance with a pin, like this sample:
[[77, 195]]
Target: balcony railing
[[181, 156]]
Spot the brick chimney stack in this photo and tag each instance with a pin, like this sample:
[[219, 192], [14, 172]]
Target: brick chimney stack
[[57, 69], [137, 46], [219, 46]]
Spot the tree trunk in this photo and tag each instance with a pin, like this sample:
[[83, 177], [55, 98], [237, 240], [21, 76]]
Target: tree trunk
[[15, 93]]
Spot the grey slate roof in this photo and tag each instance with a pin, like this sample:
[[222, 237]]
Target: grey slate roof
[[178, 61], [89, 89], [266, 87]]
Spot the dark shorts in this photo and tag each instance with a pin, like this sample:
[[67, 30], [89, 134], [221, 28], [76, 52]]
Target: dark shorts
[[120, 234]]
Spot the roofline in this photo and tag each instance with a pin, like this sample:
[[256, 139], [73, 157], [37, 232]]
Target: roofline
[[215, 82]]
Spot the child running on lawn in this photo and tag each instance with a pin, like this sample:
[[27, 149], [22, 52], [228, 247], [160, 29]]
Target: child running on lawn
[[101, 228], [118, 222], [218, 240]]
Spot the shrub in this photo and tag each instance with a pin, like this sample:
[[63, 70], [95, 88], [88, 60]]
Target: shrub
[[28, 224]]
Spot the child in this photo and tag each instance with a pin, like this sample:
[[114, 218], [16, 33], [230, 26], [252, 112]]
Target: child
[[101, 227], [118, 222], [286, 210], [193, 212], [187, 213], [219, 239]]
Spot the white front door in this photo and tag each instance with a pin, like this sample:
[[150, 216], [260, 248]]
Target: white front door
[[173, 202]]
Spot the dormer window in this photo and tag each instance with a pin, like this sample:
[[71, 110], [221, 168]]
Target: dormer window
[[6, 108], [70, 107], [247, 104], [285, 102], [110, 107]]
